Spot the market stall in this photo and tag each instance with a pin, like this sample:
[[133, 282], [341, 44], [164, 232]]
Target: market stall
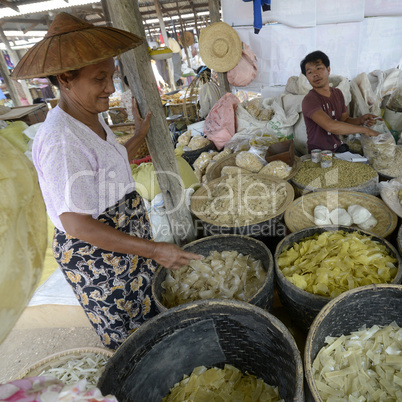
[[286, 237]]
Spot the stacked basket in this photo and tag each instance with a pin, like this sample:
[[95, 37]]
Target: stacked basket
[[60, 359], [208, 333], [302, 305], [369, 305]]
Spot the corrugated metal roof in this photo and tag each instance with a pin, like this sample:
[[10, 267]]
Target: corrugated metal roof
[[38, 21]]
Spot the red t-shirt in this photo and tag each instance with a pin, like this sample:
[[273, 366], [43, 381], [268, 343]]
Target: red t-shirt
[[334, 107]]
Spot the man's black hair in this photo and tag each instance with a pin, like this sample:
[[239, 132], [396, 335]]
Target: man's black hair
[[314, 56]]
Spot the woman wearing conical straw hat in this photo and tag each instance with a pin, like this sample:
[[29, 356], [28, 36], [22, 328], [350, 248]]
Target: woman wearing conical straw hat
[[103, 238]]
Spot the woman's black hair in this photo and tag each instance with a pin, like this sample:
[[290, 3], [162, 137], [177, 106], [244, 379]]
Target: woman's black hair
[[314, 56], [205, 74], [53, 78], [54, 81]]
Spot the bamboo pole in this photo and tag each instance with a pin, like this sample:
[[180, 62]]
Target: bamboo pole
[[215, 16], [166, 40]]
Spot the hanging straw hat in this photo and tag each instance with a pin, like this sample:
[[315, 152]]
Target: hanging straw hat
[[189, 38], [70, 44], [220, 47]]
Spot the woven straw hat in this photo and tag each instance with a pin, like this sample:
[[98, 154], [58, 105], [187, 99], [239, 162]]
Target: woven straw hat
[[220, 47], [70, 44], [189, 37]]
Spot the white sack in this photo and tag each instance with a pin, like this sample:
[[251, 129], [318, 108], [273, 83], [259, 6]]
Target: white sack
[[280, 125]]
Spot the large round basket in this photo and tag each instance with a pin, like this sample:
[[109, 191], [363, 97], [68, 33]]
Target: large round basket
[[301, 305], [300, 213], [368, 305], [263, 297], [369, 187], [211, 333], [215, 171], [58, 359], [255, 227]]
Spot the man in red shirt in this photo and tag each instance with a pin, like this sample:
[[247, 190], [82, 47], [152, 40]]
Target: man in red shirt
[[324, 110]]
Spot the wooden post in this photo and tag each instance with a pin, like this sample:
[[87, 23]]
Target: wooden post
[[215, 16], [196, 22], [183, 36], [125, 14], [15, 59], [166, 40], [10, 84]]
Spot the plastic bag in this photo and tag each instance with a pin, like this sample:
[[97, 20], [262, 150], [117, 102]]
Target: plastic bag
[[220, 124], [380, 150], [14, 133], [395, 100], [364, 99]]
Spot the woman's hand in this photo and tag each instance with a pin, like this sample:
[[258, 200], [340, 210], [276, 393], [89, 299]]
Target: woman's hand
[[141, 125], [171, 256]]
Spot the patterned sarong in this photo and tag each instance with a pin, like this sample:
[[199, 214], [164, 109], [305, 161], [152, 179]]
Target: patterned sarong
[[114, 289]]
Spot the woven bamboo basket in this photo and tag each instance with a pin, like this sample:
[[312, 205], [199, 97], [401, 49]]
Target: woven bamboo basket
[[125, 132], [300, 213], [215, 171], [187, 109], [369, 187], [368, 305], [263, 297], [301, 305], [210, 333], [58, 359], [256, 226]]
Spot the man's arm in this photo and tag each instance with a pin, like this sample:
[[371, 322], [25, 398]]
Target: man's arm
[[367, 119], [340, 127]]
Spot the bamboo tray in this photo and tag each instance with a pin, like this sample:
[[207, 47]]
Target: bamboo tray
[[300, 213], [253, 227]]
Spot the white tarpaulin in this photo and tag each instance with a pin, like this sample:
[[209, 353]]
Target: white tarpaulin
[[354, 44]]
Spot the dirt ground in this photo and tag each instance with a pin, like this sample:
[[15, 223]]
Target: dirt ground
[[40, 332]]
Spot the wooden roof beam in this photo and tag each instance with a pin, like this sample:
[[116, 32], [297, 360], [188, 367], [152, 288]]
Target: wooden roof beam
[[10, 5]]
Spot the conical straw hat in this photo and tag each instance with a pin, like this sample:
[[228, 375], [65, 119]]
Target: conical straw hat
[[188, 37], [70, 44], [220, 47]]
